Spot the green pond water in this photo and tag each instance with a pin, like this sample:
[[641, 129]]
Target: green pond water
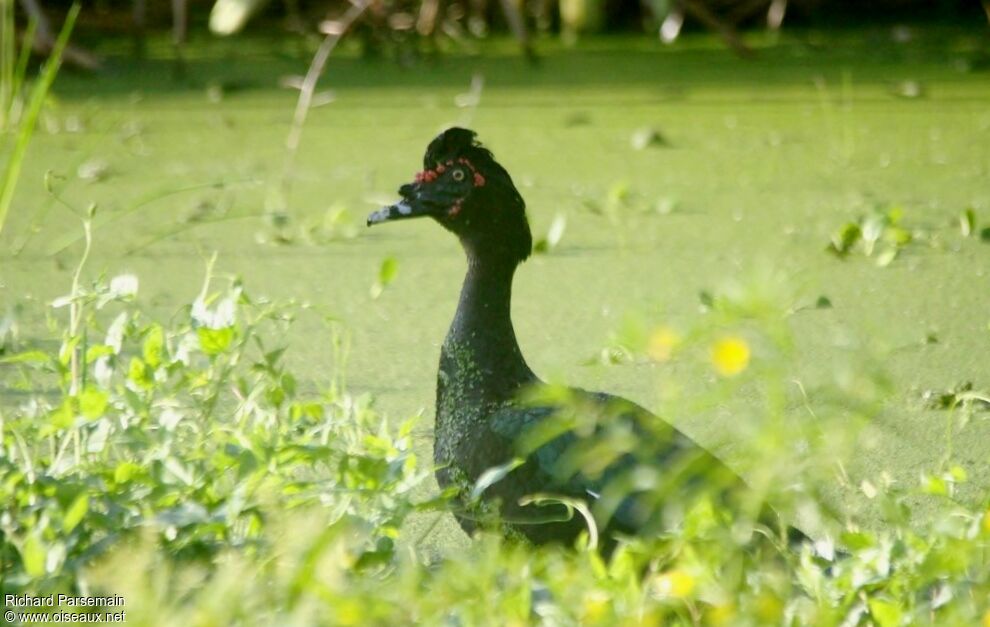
[[763, 160]]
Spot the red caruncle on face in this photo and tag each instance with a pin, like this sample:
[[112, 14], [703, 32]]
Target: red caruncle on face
[[428, 176]]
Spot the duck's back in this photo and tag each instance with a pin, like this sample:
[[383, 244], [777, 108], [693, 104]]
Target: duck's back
[[633, 470]]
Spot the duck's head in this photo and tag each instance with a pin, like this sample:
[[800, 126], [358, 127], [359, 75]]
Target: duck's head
[[464, 189]]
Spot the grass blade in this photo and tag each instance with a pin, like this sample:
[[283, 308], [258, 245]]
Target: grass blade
[[38, 94], [20, 70]]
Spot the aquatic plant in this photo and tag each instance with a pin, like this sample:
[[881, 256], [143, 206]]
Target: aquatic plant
[[181, 464]]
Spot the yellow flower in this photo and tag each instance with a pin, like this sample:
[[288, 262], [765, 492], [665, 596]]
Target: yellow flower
[[673, 584], [662, 343], [730, 356], [986, 619]]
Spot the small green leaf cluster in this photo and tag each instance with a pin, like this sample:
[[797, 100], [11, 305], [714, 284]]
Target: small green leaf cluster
[[880, 235], [883, 236], [190, 434]]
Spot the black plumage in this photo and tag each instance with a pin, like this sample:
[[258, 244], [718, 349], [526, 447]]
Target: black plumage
[[565, 446]]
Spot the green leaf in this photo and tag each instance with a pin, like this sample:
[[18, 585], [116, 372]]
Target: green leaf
[[857, 540], [388, 270], [96, 351], [154, 345], [554, 235], [871, 230], [304, 410], [125, 471], [618, 194], [967, 222], [958, 474], [27, 357], [34, 555], [887, 257], [386, 274], [898, 236], [934, 485], [215, 341], [137, 372], [383, 553], [706, 299], [845, 238], [75, 513], [65, 415], [275, 395], [493, 475], [886, 613], [272, 357], [93, 403], [647, 137]]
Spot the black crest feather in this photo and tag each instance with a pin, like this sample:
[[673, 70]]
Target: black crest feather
[[452, 143]]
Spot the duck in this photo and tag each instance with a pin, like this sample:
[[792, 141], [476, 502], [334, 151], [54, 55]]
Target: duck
[[548, 463]]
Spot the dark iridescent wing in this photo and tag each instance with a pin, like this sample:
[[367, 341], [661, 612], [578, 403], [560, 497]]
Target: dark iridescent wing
[[619, 440]]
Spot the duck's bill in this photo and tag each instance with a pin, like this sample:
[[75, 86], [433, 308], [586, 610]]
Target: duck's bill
[[399, 211]]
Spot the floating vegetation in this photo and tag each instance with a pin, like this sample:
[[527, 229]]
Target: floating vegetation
[[648, 137], [879, 235], [387, 272], [962, 396], [554, 234]]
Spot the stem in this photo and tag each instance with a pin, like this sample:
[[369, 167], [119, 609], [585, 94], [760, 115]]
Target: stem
[[974, 396], [725, 30], [57, 457], [26, 454], [186, 227], [205, 292], [308, 88], [45, 43], [61, 244], [76, 307]]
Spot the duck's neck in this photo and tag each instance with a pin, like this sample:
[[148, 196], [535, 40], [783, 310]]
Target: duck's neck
[[480, 359]]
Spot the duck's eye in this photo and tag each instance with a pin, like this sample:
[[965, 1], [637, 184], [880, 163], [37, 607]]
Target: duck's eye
[[458, 175]]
